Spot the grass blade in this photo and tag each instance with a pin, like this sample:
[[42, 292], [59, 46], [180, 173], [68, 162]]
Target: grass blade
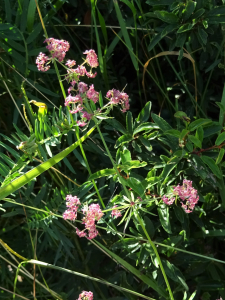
[[24, 179], [125, 34], [41, 263]]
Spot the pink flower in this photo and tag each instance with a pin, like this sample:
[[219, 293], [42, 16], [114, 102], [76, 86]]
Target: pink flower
[[116, 97], [81, 124], [187, 194], [82, 87], [70, 63], [91, 214], [86, 115], [91, 75], [77, 109], [92, 94], [91, 58], [76, 99], [86, 296], [58, 48], [116, 213], [168, 201], [41, 62], [81, 233], [80, 70], [72, 203]]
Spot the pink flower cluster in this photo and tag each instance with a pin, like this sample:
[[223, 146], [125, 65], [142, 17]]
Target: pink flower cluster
[[85, 296], [78, 91], [187, 194], [72, 203], [42, 61], [58, 48], [115, 212], [117, 97], [91, 214]]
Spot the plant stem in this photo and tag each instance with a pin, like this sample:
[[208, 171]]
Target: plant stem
[[137, 216], [156, 253]]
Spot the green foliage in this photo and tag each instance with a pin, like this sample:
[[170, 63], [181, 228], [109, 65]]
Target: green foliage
[[177, 135]]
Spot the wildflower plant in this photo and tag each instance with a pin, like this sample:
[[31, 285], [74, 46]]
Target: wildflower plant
[[156, 196]]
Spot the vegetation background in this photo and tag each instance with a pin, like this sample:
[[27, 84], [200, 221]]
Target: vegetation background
[[168, 52]]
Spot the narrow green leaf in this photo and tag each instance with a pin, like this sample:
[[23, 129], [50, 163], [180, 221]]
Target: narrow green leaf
[[126, 138], [173, 132], [220, 139], [185, 27], [163, 125], [189, 8], [8, 11], [203, 35], [195, 141], [167, 17], [220, 10], [181, 38], [145, 113], [31, 15], [154, 41], [150, 282], [47, 265], [129, 122], [23, 19], [102, 173], [24, 179], [145, 142], [133, 164], [220, 156], [145, 126], [212, 165], [125, 34], [164, 218], [200, 122]]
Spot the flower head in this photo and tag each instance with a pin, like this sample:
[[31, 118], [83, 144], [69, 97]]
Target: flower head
[[91, 214], [116, 213], [116, 97], [86, 296], [72, 203], [91, 58], [70, 63], [58, 48], [42, 61], [92, 94]]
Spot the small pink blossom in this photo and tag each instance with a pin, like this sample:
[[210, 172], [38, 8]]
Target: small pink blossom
[[91, 214], [116, 97], [81, 124], [58, 48], [116, 213], [81, 233], [168, 201], [86, 296], [72, 203], [77, 109], [82, 87], [92, 94], [187, 194], [91, 58], [86, 115], [91, 75], [42, 61], [73, 99], [70, 63], [80, 70]]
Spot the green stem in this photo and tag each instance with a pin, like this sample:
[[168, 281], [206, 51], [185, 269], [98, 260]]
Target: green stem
[[137, 216], [78, 138], [156, 253]]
